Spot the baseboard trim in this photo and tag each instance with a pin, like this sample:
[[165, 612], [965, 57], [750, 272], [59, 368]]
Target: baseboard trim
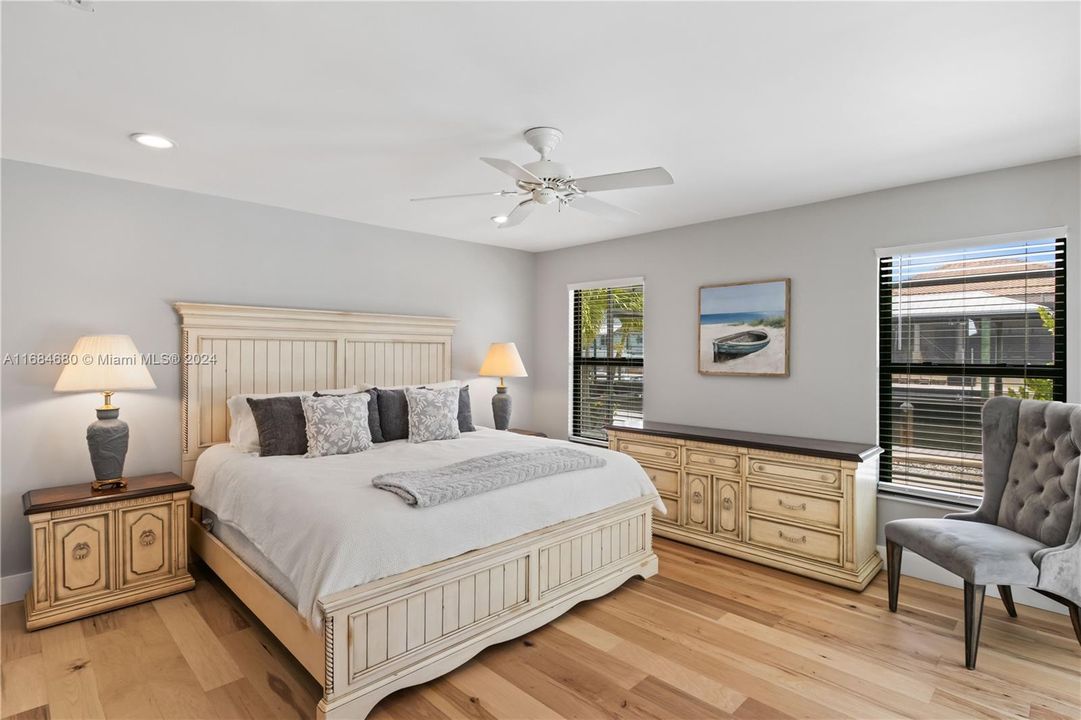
[[14, 587], [916, 566]]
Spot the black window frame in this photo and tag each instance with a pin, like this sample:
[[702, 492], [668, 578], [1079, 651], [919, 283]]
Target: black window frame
[[1057, 371], [578, 362]]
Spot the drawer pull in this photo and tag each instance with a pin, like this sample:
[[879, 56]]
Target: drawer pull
[[81, 551], [726, 503], [757, 467], [801, 507], [697, 497], [147, 538], [801, 540]]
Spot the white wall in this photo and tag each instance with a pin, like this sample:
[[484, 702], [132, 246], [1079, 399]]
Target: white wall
[[828, 249], [84, 254]]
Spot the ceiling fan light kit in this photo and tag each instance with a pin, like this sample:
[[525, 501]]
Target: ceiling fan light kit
[[547, 182]]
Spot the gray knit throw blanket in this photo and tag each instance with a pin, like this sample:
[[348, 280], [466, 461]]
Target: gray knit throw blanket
[[424, 488]]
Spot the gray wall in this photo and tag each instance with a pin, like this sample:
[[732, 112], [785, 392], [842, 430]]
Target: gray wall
[[84, 254], [828, 249]]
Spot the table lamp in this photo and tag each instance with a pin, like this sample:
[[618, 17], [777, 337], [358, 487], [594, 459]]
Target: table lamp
[[105, 364], [503, 361]]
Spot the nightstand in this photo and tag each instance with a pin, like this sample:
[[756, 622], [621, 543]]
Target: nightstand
[[98, 551], [532, 433]]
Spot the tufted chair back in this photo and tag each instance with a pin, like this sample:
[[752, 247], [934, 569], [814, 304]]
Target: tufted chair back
[[1041, 483]]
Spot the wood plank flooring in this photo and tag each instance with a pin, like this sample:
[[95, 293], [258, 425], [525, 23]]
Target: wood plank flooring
[[710, 637]]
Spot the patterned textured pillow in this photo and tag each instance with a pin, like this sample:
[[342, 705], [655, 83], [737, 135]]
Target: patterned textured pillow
[[337, 424], [373, 411], [433, 414]]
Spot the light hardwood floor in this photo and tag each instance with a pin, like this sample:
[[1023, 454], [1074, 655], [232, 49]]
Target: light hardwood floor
[[709, 637]]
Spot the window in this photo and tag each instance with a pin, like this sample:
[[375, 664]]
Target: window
[[956, 327], [607, 360]]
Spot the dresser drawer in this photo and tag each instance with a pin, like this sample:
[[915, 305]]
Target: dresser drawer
[[712, 460], [790, 505], [649, 452], [672, 506], [666, 481], [806, 543], [146, 543], [82, 548], [794, 471]]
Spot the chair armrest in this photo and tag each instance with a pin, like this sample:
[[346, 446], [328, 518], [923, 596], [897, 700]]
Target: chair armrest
[[971, 515], [1060, 570]]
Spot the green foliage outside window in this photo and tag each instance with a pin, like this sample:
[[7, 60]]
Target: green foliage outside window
[[1037, 388]]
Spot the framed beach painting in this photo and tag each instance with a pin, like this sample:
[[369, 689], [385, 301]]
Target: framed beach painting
[[743, 328]]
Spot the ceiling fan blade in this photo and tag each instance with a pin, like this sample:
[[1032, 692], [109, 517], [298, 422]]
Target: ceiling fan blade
[[519, 213], [515, 170], [599, 207], [497, 193], [621, 180]]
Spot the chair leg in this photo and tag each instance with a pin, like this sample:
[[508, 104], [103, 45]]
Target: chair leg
[[1075, 618], [973, 616], [1006, 594], [893, 571]]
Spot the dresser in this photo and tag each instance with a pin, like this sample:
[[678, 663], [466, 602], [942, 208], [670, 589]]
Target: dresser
[[798, 504], [97, 551]]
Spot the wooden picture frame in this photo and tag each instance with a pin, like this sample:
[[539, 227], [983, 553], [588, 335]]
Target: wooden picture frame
[[748, 333]]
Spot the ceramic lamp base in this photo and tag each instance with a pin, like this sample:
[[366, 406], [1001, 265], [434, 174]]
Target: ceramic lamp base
[[107, 439], [501, 408]]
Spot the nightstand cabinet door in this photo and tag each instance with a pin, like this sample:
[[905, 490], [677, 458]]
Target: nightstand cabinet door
[[81, 552], [145, 543]]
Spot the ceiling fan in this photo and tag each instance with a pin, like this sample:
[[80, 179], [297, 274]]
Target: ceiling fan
[[546, 182]]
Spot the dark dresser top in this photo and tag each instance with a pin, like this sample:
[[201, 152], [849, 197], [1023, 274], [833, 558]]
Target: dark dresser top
[[835, 449], [81, 495]]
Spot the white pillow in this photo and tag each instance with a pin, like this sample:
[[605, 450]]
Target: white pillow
[[243, 434]]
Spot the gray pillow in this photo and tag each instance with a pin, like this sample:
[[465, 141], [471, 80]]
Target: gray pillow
[[393, 414], [337, 424], [465, 411], [373, 412], [281, 425], [433, 414]]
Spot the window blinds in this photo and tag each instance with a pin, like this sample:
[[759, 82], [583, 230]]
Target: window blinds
[[957, 327], [607, 359]]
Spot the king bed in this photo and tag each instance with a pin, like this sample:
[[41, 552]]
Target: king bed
[[368, 593]]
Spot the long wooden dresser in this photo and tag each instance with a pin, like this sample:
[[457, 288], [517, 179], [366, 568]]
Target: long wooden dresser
[[802, 505]]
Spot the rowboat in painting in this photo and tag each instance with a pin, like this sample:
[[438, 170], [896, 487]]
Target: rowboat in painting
[[741, 343]]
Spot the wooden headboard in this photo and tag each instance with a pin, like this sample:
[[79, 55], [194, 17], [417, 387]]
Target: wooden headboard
[[231, 349]]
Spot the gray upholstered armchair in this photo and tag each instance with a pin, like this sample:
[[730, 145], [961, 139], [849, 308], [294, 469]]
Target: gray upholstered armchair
[[1027, 530]]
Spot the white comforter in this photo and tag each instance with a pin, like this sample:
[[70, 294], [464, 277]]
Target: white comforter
[[323, 525]]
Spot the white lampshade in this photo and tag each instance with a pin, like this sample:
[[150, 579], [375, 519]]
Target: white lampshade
[[103, 363], [503, 361]]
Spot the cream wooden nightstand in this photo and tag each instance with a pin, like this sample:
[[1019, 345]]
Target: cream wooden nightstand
[[97, 551]]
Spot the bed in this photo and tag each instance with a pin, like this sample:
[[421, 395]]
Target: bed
[[436, 585]]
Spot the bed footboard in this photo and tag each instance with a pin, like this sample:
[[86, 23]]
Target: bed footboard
[[414, 627]]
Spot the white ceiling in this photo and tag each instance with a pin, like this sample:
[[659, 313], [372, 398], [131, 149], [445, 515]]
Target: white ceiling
[[349, 109]]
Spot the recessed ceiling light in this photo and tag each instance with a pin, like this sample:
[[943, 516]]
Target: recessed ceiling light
[[157, 142], [499, 219]]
